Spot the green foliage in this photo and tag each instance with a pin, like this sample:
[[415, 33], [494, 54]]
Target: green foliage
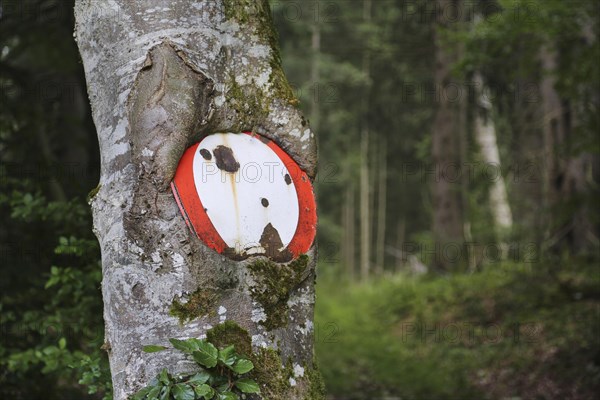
[[221, 374], [502, 333], [50, 301], [65, 330]]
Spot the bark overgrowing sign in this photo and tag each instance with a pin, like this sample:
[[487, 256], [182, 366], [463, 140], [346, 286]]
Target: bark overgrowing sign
[[242, 195]]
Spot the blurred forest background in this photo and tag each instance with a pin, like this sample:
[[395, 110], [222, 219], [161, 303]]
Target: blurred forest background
[[459, 164]]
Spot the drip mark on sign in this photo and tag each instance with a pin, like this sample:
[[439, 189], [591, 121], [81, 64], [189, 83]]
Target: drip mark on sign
[[264, 202], [287, 178], [225, 159]]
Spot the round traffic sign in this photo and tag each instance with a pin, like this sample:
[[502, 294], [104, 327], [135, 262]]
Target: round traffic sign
[[243, 196]]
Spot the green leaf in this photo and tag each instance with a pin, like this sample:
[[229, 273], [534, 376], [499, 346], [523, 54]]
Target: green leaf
[[242, 366], [223, 388], [205, 391], [164, 377], [227, 355], [166, 393], [228, 396], [206, 354], [140, 394], [247, 385], [154, 393], [217, 380], [187, 346], [62, 343], [200, 377], [181, 391], [152, 348]]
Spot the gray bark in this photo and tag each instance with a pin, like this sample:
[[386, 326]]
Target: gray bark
[[162, 75]]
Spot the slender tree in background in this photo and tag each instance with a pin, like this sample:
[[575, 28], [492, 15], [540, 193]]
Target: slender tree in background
[[365, 186], [447, 225], [349, 227], [161, 76], [485, 135], [381, 205]]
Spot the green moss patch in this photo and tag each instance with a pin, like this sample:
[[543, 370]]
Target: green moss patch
[[93, 193], [230, 333], [269, 371], [250, 105], [257, 14], [316, 383], [275, 283], [201, 302]]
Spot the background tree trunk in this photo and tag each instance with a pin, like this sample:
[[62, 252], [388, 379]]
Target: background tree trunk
[[446, 189], [365, 186], [349, 238], [381, 206], [566, 173], [485, 135], [161, 76]]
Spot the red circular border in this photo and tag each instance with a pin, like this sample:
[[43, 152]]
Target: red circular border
[[190, 205]]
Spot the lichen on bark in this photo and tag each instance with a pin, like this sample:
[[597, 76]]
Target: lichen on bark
[[274, 284]]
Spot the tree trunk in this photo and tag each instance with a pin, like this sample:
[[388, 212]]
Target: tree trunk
[[485, 135], [447, 224], [365, 199], [381, 207], [565, 174], [161, 76], [348, 236]]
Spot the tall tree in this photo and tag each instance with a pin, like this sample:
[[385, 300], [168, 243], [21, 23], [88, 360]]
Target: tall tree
[[485, 135], [365, 186], [446, 188], [566, 169], [161, 76], [381, 206]]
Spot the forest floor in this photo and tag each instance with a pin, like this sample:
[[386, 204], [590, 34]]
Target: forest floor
[[511, 331]]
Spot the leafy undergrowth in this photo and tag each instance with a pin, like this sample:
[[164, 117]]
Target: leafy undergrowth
[[221, 376], [510, 332]]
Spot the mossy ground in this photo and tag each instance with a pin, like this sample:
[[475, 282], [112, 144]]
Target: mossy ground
[[275, 282]]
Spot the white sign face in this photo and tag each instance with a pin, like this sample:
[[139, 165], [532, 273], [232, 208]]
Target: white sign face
[[247, 193]]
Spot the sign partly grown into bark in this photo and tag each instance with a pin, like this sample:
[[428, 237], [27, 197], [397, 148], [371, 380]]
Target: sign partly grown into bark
[[162, 77]]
